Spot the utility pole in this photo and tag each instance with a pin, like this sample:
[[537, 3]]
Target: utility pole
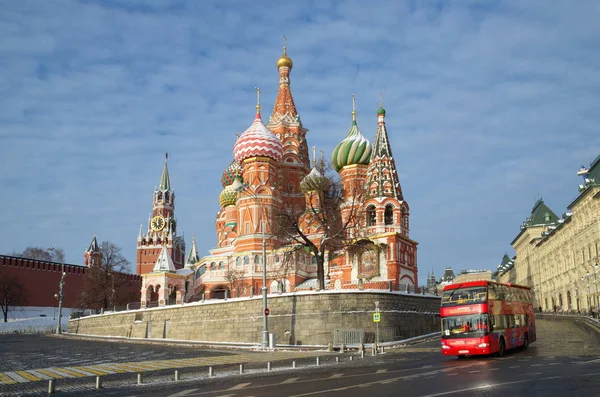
[[60, 295]]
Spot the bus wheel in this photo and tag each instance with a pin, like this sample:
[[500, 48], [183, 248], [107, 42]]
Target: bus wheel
[[526, 342], [501, 347]]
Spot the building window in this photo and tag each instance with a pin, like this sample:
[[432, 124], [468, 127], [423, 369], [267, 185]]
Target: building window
[[276, 258], [371, 216], [221, 265], [238, 261], [246, 260], [389, 215], [167, 196], [256, 259]]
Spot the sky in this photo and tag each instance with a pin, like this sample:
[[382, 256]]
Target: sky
[[490, 106]]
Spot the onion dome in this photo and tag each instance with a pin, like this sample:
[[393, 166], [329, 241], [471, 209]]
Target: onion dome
[[257, 141], [381, 110], [229, 195], [230, 172], [314, 181], [354, 149], [285, 60]]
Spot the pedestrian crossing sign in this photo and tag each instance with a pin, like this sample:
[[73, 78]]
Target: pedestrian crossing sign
[[376, 317]]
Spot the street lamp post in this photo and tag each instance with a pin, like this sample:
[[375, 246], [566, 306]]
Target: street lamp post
[[265, 333], [60, 295]]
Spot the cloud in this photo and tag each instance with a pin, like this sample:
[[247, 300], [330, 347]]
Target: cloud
[[487, 107]]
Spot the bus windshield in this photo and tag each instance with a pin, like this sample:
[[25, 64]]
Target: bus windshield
[[469, 326], [464, 296]]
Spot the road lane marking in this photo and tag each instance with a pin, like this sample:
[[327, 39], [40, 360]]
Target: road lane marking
[[39, 374], [74, 374], [240, 386], [474, 372], [28, 376], [514, 366], [51, 374], [588, 362], [537, 365], [335, 376], [493, 369], [5, 379], [16, 377], [182, 393], [289, 380], [91, 370], [383, 371], [554, 364], [491, 385]]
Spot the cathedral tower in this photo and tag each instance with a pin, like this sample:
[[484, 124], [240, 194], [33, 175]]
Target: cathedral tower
[[285, 123], [259, 153], [162, 229]]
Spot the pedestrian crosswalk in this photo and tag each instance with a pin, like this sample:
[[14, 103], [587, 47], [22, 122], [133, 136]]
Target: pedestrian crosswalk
[[39, 374]]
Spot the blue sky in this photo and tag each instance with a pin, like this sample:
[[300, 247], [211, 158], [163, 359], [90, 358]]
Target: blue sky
[[489, 106]]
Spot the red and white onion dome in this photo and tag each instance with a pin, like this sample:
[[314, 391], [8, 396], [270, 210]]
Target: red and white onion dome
[[257, 141]]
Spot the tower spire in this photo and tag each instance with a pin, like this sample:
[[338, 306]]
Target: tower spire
[[353, 109], [165, 182], [314, 148], [382, 160], [257, 102]]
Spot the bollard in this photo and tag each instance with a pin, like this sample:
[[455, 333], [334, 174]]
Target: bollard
[[241, 368], [330, 346], [318, 361], [293, 364], [176, 375], [382, 349], [374, 351], [362, 354], [98, 382], [268, 365], [337, 359], [210, 372], [51, 387], [140, 378], [351, 358], [342, 348]]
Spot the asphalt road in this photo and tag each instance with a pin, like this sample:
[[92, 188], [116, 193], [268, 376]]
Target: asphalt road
[[564, 361]]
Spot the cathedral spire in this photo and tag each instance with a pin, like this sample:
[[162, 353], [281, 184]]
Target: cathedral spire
[[193, 256], [285, 108], [383, 177], [165, 182]]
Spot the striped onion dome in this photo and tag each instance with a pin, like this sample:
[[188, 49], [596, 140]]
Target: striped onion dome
[[314, 181], [230, 172], [257, 141], [354, 149], [229, 195]]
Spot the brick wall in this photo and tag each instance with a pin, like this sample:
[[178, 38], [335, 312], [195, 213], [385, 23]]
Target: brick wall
[[300, 319], [41, 279]]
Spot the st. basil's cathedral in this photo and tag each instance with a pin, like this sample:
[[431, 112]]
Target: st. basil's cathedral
[[270, 172]]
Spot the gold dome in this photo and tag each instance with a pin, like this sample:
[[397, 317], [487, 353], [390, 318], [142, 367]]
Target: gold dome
[[285, 60]]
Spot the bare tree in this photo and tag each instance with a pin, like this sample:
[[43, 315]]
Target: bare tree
[[55, 255], [320, 227], [235, 279], [106, 284], [12, 293]]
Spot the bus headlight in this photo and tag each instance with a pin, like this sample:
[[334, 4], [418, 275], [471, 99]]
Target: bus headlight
[[483, 345], [445, 347]]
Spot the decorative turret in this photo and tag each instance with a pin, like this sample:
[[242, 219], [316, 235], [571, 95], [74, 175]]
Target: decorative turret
[[164, 263], [354, 149], [315, 180], [230, 172], [284, 108], [193, 256], [229, 195], [93, 255], [257, 141]]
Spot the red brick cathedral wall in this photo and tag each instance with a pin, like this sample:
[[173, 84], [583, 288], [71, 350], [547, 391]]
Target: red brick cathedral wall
[[41, 279]]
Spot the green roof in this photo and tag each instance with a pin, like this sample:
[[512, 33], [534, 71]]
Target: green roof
[[165, 183], [541, 215]]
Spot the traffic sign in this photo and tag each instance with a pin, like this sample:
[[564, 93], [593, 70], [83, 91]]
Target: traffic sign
[[266, 311], [376, 317]]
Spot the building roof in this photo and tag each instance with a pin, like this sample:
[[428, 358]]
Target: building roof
[[354, 149], [164, 263], [165, 182]]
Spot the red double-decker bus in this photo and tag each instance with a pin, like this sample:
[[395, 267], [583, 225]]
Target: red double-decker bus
[[485, 317]]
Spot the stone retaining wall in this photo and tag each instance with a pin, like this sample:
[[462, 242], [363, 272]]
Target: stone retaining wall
[[297, 319]]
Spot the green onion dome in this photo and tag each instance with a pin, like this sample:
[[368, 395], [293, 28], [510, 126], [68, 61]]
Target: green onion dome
[[354, 149], [381, 111], [229, 195], [229, 174], [314, 181]]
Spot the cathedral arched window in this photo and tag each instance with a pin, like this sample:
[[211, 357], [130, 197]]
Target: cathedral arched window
[[238, 261], [246, 260], [159, 196], [167, 197], [371, 215], [276, 258], [405, 218], [388, 215], [221, 265], [256, 259]]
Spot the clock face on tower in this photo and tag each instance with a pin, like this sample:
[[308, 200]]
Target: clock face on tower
[[157, 223]]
